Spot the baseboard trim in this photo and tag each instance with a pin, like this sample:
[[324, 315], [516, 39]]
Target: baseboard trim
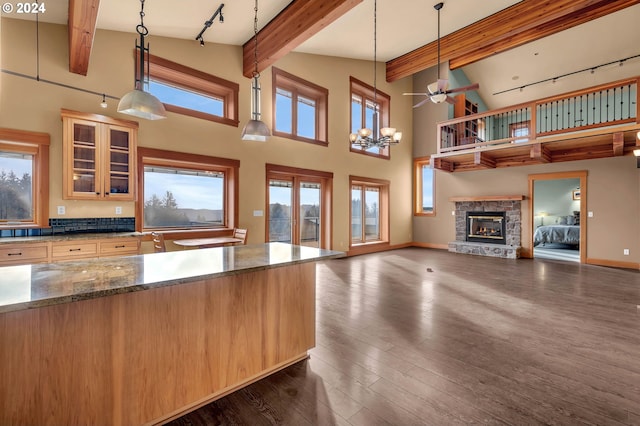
[[613, 263], [430, 245]]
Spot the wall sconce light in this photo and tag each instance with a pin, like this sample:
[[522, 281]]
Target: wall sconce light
[[636, 152]]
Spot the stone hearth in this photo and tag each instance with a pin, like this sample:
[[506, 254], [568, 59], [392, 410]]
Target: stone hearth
[[511, 205]]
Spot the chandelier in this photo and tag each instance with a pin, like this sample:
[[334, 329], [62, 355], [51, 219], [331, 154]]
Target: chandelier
[[386, 136]]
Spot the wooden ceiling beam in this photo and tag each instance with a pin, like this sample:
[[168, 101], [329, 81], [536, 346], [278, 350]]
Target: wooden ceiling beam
[[296, 23], [524, 22], [618, 144], [540, 153], [83, 15], [482, 159]]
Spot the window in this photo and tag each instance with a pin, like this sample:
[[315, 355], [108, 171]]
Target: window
[[187, 91], [518, 130], [300, 108], [186, 191], [299, 206], [424, 187], [369, 210], [362, 109], [24, 179]]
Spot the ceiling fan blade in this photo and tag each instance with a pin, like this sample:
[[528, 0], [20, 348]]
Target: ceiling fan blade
[[474, 86], [416, 94], [422, 102]]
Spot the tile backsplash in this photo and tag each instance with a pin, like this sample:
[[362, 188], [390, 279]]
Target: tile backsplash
[[76, 226]]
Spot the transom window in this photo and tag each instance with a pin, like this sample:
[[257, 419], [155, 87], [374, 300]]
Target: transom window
[[186, 191], [362, 110], [24, 179], [187, 91], [300, 108], [424, 186], [369, 210]]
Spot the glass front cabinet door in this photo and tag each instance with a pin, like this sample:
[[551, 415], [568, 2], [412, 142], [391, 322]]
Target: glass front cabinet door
[[99, 156]]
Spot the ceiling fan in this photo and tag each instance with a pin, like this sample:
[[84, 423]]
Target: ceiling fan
[[438, 91]]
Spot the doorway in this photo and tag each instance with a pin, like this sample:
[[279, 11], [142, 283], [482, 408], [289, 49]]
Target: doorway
[[298, 206], [558, 213]]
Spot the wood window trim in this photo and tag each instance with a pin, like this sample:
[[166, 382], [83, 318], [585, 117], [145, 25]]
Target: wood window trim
[[365, 91], [36, 144], [173, 73], [418, 164], [277, 171], [296, 85], [383, 186], [160, 157]]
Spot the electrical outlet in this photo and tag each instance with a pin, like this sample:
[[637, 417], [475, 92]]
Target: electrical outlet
[[625, 252], [61, 210], [590, 214], [257, 213], [118, 210]]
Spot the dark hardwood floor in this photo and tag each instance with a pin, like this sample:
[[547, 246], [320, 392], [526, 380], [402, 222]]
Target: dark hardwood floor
[[426, 337]]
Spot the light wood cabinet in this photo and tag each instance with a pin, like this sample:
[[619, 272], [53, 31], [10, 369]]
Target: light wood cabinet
[[468, 131], [25, 253], [74, 249], [19, 254], [119, 246], [99, 157]]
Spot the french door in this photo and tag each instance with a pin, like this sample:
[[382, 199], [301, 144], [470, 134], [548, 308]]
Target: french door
[[298, 210]]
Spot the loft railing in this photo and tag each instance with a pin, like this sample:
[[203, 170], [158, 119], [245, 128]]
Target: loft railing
[[599, 106]]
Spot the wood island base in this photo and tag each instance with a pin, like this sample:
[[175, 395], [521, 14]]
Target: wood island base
[[146, 357]]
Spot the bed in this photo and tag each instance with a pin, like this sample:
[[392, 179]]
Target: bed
[[565, 230]]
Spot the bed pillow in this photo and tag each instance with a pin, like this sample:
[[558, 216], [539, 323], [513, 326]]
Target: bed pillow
[[571, 220], [562, 220]]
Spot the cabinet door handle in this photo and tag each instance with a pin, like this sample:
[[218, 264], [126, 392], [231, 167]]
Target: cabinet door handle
[[75, 249], [97, 193], [14, 254], [122, 246]]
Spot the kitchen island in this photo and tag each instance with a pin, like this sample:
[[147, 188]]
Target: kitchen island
[[144, 339]]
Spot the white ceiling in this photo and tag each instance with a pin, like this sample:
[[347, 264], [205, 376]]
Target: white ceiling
[[403, 25]]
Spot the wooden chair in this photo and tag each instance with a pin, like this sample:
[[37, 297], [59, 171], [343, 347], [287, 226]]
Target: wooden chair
[[158, 242], [241, 234]]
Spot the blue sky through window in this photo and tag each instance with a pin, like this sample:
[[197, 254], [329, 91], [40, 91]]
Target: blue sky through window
[[186, 99]]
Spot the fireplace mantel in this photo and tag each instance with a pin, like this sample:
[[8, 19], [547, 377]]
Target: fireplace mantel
[[489, 198]]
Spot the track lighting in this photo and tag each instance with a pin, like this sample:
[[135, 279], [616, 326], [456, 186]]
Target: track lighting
[[592, 70], [208, 23], [103, 104]]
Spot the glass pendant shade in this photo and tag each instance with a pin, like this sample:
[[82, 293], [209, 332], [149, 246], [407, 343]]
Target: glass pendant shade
[[142, 104], [255, 130]]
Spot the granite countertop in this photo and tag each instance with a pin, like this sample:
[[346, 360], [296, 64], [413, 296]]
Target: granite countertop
[[68, 237], [33, 286]]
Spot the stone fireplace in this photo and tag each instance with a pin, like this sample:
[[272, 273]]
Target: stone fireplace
[[488, 226]]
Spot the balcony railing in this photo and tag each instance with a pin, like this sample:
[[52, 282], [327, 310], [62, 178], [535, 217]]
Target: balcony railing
[[595, 107]]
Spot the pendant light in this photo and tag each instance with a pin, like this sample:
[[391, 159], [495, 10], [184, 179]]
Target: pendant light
[[138, 102], [255, 130], [365, 138]]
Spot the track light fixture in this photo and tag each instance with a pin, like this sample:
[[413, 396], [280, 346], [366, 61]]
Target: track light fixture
[[208, 23], [592, 70], [103, 104]]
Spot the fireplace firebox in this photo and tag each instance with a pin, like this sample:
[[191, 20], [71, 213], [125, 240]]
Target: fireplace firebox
[[486, 227]]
